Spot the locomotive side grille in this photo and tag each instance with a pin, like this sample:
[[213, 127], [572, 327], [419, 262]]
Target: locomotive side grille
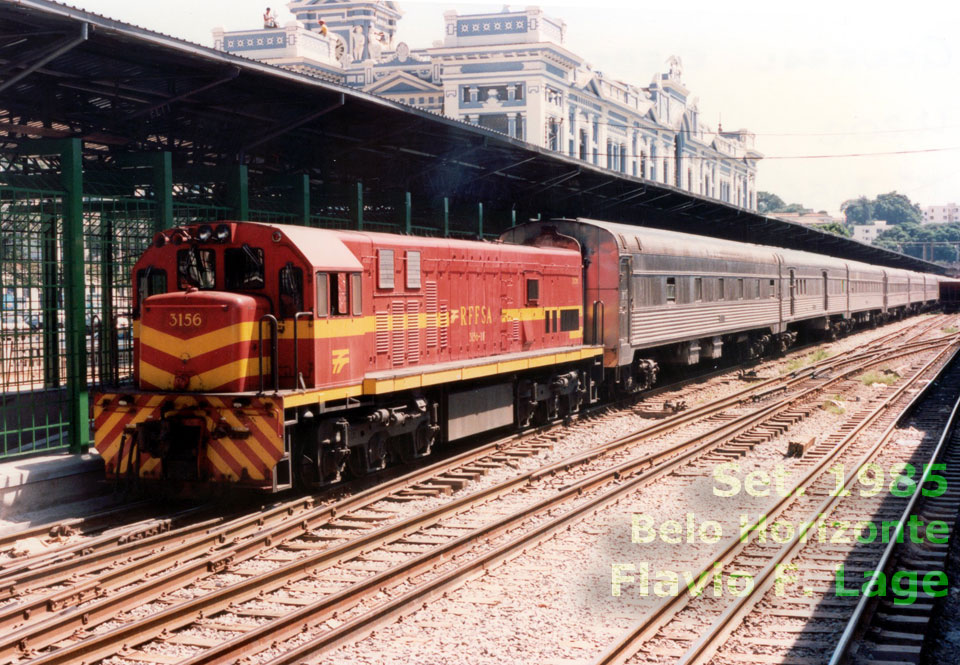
[[397, 342], [431, 293], [515, 330], [413, 332], [444, 322], [383, 332]]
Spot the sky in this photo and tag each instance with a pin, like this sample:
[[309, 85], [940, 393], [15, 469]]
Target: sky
[[816, 81]]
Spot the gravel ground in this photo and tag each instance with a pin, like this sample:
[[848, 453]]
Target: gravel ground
[[554, 603]]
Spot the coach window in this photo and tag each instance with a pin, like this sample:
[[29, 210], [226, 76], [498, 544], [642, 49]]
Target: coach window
[[413, 270], [740, 289], [698, 289], [773, 288], [291, 291], [384, 268], [757, 292], [196, 268], [721, 292], [533, 291], [150, 282], [243, 268], [671, 289]]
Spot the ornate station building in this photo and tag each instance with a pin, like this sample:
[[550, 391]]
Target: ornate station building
[[510, 72]]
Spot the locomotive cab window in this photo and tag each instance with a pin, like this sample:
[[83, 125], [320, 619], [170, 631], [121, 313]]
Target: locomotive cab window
[[150, 282], [338, 294], [243, 267], [533, 291], [196, 268], [356, 294], [291, 291]]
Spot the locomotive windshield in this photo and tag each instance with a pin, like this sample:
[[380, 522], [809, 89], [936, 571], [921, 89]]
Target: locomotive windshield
[[243, 267], [197, 268]]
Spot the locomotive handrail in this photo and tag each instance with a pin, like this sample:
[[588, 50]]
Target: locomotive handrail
[[297, 377], [274, 355], [599, 313], [96, 348]]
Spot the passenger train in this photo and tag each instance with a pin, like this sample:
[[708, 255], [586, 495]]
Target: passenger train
[[268, 356]]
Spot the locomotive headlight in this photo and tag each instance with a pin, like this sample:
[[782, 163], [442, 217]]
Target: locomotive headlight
[[222, 233], [204, 233]]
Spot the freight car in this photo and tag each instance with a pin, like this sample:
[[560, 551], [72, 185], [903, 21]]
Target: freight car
[[268, 356]]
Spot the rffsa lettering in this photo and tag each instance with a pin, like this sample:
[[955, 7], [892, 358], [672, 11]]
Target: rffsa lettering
[[475, 314]]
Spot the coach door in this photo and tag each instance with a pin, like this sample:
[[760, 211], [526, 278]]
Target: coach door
[[793, 292], [625, 298]]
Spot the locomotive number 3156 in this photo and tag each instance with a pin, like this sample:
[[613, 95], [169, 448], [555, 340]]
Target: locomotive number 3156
[[181, 320]]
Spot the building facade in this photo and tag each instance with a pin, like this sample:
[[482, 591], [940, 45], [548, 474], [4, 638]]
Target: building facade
[[509, 71], [868, 232], [941, 214]]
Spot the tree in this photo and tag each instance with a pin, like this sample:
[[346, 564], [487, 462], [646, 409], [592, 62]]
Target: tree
[[858, 211], [836, 228], [793, 207], [767, 202], [896, 209], [891, 207]]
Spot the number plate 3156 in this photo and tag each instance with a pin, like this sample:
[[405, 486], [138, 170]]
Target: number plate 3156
[[184, 320]]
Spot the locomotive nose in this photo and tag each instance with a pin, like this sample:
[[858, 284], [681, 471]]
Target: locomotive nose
[[220, 331]]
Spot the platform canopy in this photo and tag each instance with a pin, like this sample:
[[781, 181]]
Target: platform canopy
[[125, 89]]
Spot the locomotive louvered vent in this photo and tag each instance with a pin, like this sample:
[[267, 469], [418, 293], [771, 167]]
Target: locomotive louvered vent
[[431, 314], [444, 325], [397, 337], [383, 332], [385, 266], [515, 329], [413, 332], [413, 270]]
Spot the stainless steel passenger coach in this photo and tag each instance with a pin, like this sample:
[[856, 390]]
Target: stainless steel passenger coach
[[654, 296]]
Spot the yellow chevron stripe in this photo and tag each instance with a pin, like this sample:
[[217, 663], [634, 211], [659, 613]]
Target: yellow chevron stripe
[[268, 461], [209, 380], [219, 464]]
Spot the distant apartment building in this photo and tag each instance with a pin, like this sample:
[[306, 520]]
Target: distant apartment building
[[868, 232], [941, 214], [509, 71]]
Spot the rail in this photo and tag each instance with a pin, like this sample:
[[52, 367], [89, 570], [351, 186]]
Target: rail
[[853, 623]]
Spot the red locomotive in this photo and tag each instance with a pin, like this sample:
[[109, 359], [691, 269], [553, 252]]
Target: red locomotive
[[267, 355]]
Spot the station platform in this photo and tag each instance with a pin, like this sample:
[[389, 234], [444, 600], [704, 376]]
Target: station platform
[[33, 488]]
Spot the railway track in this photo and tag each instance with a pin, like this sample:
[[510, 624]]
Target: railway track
[[776, 620], [360, 535]]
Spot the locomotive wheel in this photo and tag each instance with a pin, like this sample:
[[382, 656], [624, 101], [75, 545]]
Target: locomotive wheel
[[370, 457], [415, 445], [314, 466]]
